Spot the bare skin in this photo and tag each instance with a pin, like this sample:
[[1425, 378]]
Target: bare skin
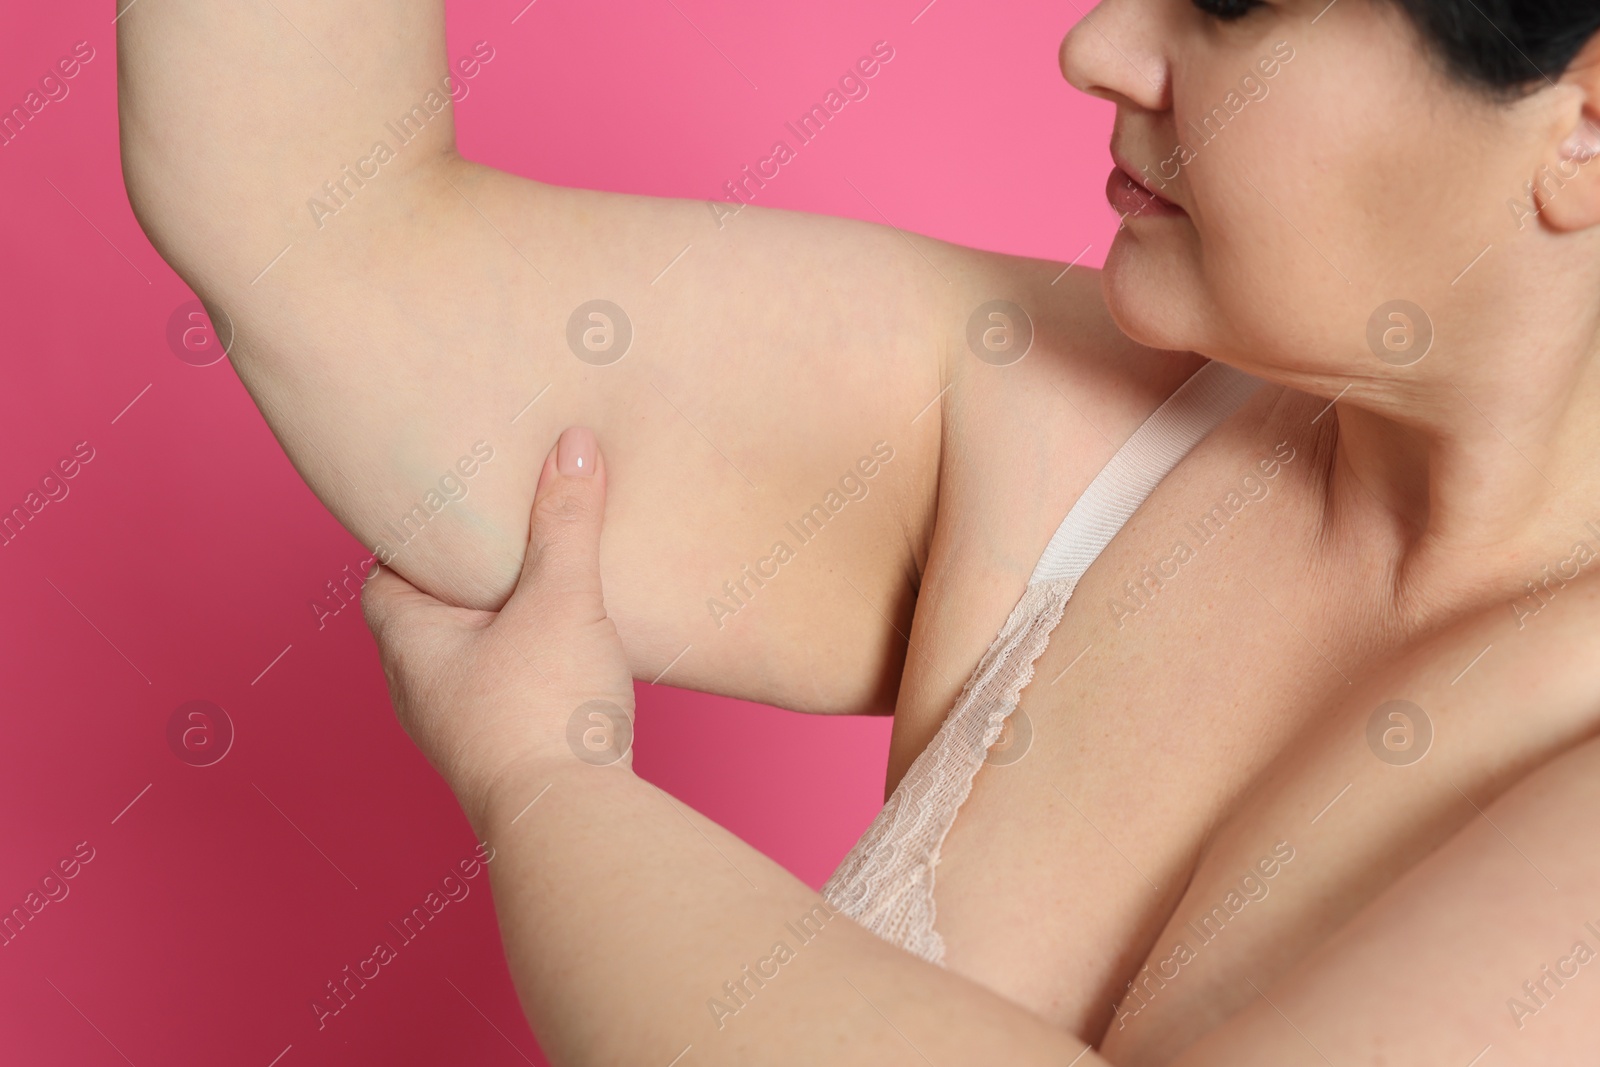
[[637, 931], [1429, 493], [754, 383], [1188, 740]]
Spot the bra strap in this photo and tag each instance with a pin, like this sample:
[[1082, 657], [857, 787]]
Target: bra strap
[[1210, 395]]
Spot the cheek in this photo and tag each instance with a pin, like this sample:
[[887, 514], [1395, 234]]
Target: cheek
[[1272, 244], [1266, 201], [1359, 179], [1302, 216], [1194, 283]]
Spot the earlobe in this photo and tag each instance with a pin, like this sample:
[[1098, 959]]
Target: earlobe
[[1584, 142], [1567, 187]]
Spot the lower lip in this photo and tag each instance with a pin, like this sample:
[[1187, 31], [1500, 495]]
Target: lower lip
[[1132, 199]]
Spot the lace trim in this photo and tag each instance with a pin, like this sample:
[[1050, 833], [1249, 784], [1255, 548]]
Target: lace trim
[[886, 882]]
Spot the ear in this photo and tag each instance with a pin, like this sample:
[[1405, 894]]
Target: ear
[[1567, 185]]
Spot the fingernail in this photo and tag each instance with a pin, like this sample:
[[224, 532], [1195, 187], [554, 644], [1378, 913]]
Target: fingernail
[[576, 450]]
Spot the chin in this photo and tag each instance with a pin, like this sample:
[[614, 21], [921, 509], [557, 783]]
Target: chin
[[1150, 298]]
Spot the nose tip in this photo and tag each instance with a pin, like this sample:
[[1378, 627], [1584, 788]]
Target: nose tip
[[1066, 57], [1115, 52]]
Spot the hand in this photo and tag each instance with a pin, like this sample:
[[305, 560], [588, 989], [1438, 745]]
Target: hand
[[542, 682]]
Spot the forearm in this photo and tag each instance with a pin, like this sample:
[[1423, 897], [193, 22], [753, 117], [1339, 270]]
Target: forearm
[[626, 918], [635, 928]]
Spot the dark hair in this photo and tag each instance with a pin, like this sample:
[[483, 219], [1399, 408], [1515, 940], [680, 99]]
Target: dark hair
[[1505, 45]]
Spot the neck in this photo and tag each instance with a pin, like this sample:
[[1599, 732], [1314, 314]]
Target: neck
[[1475, 484]]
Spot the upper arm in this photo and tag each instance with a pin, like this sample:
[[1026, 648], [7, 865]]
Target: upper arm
[[772, 483]]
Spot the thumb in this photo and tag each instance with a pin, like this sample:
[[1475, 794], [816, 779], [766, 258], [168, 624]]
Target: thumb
[[397, 611], [563, 556]]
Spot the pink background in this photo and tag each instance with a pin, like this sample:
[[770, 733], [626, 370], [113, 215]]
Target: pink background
[[181, 562]]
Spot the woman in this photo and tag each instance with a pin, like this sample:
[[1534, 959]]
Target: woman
[[1275, 740]]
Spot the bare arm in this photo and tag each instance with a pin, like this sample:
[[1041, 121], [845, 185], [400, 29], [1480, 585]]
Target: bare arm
[[682, 935], [767, 396], [634, 952], [638, 931], [1443, 962]]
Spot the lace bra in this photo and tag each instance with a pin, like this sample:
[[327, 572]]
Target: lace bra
[[885, 883]]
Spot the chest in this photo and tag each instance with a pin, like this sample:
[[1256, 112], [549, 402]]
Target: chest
[[1194, 650], [1155, 834]]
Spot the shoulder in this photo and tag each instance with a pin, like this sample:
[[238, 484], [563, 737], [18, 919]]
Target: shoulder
[[1041, 388]]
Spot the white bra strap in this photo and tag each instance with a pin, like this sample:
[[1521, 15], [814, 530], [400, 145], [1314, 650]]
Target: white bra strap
[[1211, 394]]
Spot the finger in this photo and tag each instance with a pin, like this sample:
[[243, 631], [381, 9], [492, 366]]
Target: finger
[[563, 556], [389, 602]]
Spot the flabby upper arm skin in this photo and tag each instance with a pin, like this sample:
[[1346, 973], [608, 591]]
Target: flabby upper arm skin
[[770, 394]]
